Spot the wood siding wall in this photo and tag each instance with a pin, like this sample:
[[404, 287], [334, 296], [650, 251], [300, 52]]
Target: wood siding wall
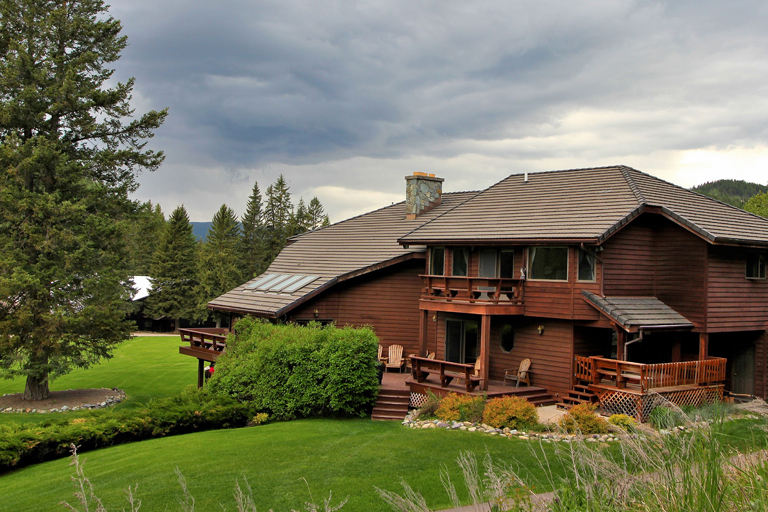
[[655, 257], [735, 302], [387, 300]]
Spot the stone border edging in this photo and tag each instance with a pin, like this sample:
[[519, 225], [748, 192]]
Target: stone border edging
[[109, 401]]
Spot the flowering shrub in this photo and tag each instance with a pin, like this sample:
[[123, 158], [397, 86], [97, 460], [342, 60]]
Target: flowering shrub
[[510, 411], [581, 419], [623, 421], [456, 407]]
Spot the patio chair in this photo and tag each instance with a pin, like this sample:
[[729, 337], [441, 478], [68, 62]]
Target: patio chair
[[522, 374], [382, 359], [395, 359], [409, 365]]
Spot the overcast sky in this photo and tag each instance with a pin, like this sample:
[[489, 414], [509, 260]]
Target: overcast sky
[[346, 98]]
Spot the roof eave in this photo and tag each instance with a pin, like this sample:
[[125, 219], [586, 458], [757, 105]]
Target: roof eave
[[501, 241]]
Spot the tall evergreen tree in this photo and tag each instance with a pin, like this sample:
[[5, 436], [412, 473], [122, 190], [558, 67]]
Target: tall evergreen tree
[[251, 243], [219, 268], [758, 204], [173, 271], [316, 214], [144, 233], [277, 213], [70, 149], [299, 221]]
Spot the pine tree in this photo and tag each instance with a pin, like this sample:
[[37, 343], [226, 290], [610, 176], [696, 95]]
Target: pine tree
[[144, 233], [251, 243], [173, 271], [299, 220], [326, 222], [316, 214], [219, 268], [70, 149], [277, 213]]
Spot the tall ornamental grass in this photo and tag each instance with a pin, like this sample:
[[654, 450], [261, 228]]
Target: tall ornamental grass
[[292, 371]]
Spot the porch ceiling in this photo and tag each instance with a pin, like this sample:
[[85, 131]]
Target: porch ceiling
[[634, 313]]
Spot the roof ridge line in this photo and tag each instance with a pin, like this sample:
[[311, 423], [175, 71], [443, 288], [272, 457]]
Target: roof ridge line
[[632, 185]]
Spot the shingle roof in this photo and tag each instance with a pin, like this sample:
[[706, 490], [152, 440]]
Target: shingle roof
[[584, 205], [635, 312], [342, 250]]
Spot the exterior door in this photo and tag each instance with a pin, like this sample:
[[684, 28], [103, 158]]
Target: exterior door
[[743, 370], [461, 341]]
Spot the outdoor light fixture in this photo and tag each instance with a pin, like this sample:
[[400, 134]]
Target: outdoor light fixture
[[317, 313], [434, 318], [541, 329]]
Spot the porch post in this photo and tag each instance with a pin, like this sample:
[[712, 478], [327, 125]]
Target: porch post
[[703, 346], [485, 350], [423, 329], [621, 338], [200, 370]]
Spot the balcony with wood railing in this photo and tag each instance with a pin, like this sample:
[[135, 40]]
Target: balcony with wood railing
[[487, 291], [205, 343], [645, 378]]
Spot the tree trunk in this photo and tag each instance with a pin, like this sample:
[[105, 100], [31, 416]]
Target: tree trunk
[[36, 389]]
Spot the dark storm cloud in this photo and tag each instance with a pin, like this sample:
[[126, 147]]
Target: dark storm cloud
[[253, 83]]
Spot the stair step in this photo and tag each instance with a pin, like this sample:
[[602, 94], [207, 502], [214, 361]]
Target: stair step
[[587, 394], [381, 417], [393, 402]]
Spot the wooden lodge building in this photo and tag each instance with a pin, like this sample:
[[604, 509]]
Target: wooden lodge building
[[617, 286]]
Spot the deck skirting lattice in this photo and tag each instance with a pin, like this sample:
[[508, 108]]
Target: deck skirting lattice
[[640, 406], [418, 399]]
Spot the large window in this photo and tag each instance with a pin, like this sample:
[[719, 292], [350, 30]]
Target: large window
[[459, 262], [437, 261], [497, 263], [548, 263], [755, 266], [461, 337], [586, 266]]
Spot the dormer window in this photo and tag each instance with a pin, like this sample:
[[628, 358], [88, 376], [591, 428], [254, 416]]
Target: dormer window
[[755, 266], [437, 261]]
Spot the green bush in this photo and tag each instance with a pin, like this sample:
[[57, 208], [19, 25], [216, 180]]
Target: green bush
[[581, 419], [455, 407], [190, 411], [510, 411], [291, 371], [666, 417], [430, 406], [623, 421]]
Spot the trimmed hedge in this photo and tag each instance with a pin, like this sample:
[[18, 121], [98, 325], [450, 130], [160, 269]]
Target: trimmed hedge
[[190, 411], [292, 371], [512, 412]]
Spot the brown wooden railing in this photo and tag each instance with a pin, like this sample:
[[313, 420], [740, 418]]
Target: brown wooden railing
[[647, 377], [209, 338], [473, 289]]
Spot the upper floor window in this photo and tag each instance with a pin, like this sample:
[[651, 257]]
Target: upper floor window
[[586, 266], [755, 266], [497, 263], [548, 263], [437, 261], [459, 262]]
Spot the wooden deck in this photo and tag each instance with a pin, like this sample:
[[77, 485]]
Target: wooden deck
[[635, 389], [205, 344]]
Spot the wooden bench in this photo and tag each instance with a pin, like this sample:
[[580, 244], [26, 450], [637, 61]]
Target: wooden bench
[[446, 370], [206, 338]]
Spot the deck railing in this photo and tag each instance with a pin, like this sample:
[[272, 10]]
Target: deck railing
[[472, 289], [209, 338], [647, 377]]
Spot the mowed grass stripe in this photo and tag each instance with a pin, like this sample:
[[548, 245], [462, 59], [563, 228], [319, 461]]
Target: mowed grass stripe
[[348, 457], [145, 367]]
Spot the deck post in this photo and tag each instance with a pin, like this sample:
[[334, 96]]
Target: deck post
[[423, 328], [621, 338], [485, 350], [703, 346], [200, 371]]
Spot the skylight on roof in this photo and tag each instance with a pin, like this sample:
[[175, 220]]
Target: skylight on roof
[[277, 283]]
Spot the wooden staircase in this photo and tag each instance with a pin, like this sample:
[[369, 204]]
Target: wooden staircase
[[392, 405], [579, 394], [536, 395]]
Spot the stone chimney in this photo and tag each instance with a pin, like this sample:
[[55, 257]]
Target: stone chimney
[[422, 193]]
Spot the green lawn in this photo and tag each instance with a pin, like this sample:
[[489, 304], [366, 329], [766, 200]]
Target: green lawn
[[144, 367], [348, 457]]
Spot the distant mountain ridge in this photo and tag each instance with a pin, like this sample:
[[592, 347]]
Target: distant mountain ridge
[[733, 192], [200, 229]]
